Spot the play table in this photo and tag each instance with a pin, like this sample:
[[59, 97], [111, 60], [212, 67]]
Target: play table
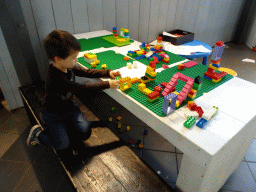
[[211, 154]]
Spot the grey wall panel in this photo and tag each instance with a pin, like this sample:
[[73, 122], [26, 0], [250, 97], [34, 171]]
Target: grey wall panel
[[171, 15], [122, 14], [109, 14], [250, 27], [44, 18], [200, 29], [217, 19], [45, 22], [9, 81], [163, 13], [95, 15], [79, 11], [189, 15], [9, 30], [6, 88], [180, 9], [233, 21], [153, 20], [144, 20], [63, 16], [33, 34], [134, 18], [221, 21], [228, 15], [251, 38]]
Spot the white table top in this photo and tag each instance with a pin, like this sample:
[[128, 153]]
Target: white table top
[[234, 99]]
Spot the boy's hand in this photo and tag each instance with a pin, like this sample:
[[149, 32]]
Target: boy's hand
[[113, 74], [114, 83]]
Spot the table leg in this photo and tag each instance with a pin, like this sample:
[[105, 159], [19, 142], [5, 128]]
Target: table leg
[[211, 176], [205, 61]]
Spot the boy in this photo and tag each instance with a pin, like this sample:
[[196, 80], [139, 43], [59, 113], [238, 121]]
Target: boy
[[59, 111]]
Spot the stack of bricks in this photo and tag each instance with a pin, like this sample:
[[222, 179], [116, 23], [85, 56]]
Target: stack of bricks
[[196, 86], [115, 32], [210, 74]]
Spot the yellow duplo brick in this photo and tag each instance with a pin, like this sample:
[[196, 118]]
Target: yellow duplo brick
[[93, 64], [191, 96], [216, 81], [157, 46], [103, 66], [140, 52], [110, 119], [135, 80], [193, 91], [177, 104], [191, 102], [175, 92], [147, 91], [97, 62], [90, 56], [141, 87], [128, 128], [211, 66], [125, 79]]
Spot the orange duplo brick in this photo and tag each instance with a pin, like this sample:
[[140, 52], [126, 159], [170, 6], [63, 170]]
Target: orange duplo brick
[[126, 58]]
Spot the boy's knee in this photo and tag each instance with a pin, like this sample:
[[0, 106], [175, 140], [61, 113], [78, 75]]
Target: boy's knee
[[62, 145], [87, 134]]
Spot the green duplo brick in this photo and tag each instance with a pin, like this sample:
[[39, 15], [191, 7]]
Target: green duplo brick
[[195, 86]]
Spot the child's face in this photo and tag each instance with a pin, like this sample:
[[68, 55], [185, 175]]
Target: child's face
[[70, 61]]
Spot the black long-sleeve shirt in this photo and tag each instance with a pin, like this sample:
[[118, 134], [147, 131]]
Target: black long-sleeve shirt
[[61, 86]]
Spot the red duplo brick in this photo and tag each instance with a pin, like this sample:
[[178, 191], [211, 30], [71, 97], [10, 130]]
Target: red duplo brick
[[163, 84], [153, 95], [199, 110], [158, 89]]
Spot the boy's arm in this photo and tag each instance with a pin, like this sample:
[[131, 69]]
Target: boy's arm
[[91, 73], [87, 87]]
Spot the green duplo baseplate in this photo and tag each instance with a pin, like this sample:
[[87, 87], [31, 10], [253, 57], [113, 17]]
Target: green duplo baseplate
[[173, 59], [165, 76], [113, 60], [113, 40], [94, 43]]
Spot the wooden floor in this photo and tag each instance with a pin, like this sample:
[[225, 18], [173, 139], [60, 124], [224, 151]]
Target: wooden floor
[[107, 164]]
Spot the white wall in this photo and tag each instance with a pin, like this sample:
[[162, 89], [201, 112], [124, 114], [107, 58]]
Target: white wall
[[9, 82], [250, 39]]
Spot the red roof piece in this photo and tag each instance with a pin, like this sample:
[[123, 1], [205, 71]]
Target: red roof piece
[[190, 64], [199, 110]]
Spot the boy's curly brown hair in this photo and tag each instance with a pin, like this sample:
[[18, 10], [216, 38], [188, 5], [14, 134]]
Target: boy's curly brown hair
[[61, 44]]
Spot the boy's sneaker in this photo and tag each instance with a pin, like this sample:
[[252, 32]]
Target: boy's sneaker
[[33, 135]]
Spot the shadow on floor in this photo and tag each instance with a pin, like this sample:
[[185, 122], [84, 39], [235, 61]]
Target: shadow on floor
[[37, 168]]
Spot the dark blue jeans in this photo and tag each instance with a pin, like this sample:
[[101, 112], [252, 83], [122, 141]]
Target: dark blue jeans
[[60, 128]]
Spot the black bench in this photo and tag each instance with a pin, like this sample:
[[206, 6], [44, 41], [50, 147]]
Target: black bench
[[110, 165]]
